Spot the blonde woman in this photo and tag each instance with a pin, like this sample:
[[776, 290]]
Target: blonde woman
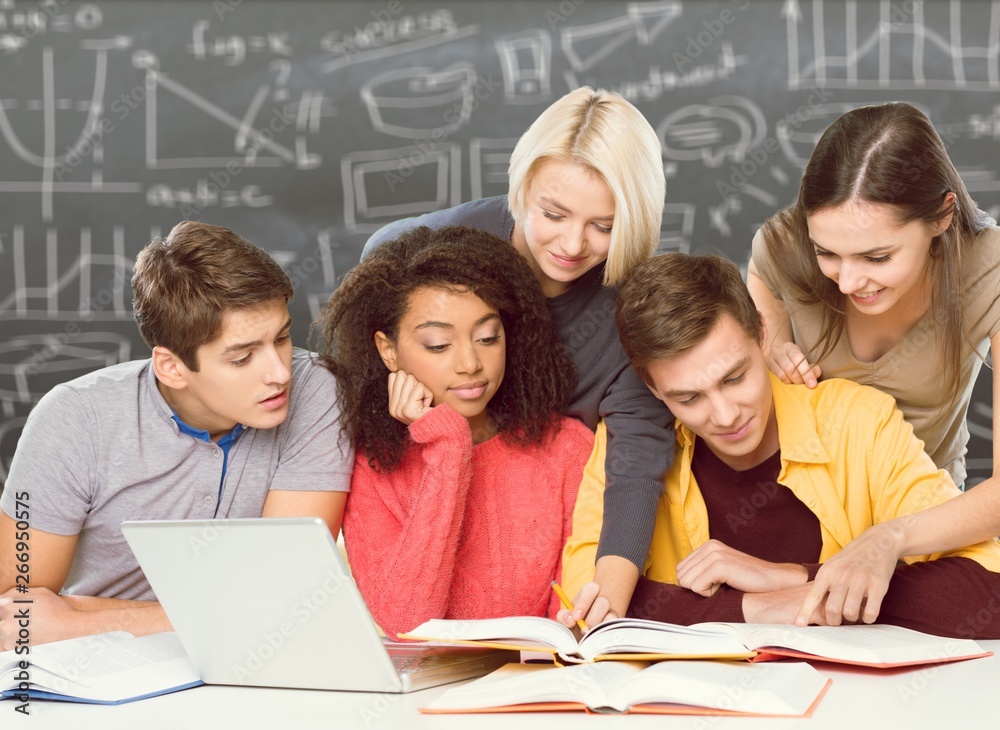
[[584, 208]]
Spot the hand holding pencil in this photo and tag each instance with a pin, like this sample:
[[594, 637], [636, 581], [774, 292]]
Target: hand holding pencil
[[588, 608], [568, 605]]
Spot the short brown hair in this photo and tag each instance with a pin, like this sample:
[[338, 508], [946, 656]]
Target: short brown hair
[[671, 302], [184, 284]]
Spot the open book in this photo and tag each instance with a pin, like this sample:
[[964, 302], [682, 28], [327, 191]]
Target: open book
[[870, 645], [637, 639], [106, 668], [676, 688]]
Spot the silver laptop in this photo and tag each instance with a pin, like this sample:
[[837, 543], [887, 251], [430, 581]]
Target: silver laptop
[[269, 603]]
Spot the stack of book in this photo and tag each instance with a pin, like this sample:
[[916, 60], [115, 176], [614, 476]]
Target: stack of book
[[630, 684]]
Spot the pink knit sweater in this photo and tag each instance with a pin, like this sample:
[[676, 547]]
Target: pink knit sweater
[[460, 530]]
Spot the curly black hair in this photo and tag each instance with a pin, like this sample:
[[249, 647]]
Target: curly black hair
[[373, 297]]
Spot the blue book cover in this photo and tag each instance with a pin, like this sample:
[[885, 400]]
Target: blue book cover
[[107, 669]]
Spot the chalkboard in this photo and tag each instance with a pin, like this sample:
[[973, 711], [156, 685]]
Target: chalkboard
[[307, 125]]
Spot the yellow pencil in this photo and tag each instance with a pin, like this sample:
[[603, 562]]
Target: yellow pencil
[[568, 604]]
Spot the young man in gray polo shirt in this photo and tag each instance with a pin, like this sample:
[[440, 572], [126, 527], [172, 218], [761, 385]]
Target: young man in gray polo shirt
[[224, 420]]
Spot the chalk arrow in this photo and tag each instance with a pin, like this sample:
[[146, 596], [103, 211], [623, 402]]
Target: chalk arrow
[[644, 23]]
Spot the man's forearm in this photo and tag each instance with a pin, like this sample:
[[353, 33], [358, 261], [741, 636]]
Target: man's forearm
[[673, 604], [55, 618], [774, 607], [949, 597], [136, 617], [94, 603]]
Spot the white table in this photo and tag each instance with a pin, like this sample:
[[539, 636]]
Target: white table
[[962, 695]]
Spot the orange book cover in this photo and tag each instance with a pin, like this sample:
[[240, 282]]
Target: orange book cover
[[735, 688], [776, 653]]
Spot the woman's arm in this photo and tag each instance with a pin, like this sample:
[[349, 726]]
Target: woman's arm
[[600, 591], [863, 568], [402, 528], [784, 358], [640, 449]]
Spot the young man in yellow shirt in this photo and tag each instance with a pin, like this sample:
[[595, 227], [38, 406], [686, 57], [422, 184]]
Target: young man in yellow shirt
[[770, 479]]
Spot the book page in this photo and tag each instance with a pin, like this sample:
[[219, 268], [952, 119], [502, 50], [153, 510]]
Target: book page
[[42, 678], [709, 629], [519, 684], [862, 643], [92, 660], [111, 667], [784, 689], [633, 636], [790, 689], [64, 657], [529, 631]]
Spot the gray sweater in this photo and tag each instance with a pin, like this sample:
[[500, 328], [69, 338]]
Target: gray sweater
[[640, 428]]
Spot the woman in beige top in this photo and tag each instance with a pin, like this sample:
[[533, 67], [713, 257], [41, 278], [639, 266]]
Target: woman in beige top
[[885, 271]]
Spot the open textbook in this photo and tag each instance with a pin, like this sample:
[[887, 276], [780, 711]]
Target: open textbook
[[674, 688], [874, 645], [106, 668]]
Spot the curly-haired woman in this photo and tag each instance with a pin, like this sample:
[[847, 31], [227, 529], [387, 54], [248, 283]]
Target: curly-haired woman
[[451, 376]]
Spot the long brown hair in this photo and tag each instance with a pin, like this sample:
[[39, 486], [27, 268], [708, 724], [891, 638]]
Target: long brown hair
[[887, 154], [373, 297]]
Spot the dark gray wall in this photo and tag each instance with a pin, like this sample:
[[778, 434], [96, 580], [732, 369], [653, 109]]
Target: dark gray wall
[[307, 125]]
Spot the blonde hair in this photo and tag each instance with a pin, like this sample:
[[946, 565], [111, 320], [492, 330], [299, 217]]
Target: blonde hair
[[604, 132]]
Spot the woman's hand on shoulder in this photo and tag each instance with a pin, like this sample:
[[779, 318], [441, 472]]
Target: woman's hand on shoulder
[[409, 399], [788, 362]]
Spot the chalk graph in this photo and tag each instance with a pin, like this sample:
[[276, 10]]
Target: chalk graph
[[48, 160], [892, 45], [418, 180], [526, 60], [249, 136], [91, 285]]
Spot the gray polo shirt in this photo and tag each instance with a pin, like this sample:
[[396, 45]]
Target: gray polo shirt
[[104, 448]]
